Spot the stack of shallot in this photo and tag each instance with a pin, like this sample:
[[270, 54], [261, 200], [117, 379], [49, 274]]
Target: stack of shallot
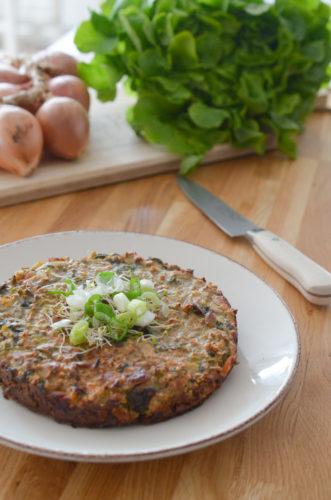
[[43, 105]]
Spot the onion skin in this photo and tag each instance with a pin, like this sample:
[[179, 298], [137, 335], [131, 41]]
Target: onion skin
[[70, 86], [9, 74], [8, 89], [56, 63], [29, 95], [13, 88], [65, 127], [21, 140]]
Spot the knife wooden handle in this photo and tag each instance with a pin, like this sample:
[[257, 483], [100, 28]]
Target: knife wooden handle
[[312, 280]]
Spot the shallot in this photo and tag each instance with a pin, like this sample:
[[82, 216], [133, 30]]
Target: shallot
[[13, 88], [8, 89], [48, 87], [10, 74], [70, 86], [56, 63], [65, 127], [21, 140]]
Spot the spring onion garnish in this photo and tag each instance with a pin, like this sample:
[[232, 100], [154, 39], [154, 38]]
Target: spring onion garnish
[[78, 332], [118, 329], [110, 307], [121, 301], [127, 317], [105, 277], [145, 319], [70, 290], [146, 285], [89, 306], [135, 289], [151, 298], [138, 307], [103, 312]]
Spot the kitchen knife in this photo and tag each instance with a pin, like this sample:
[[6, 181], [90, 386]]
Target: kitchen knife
[[312, 280]]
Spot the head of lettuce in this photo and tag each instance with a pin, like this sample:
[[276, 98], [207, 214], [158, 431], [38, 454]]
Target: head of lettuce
[[206, 72]]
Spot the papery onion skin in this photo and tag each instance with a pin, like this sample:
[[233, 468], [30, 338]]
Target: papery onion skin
[[21, 140], [65, 127], [30, 99], [7, 88], [10, 74], [56, 63], [13, 88], [29, 95], [70, 86]]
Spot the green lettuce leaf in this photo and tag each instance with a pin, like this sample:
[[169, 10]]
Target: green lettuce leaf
[[205, 72]]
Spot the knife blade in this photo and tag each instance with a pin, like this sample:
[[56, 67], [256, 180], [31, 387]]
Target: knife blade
[[311, 279]]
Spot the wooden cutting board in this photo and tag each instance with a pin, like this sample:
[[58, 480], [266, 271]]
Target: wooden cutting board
[[114, 154]]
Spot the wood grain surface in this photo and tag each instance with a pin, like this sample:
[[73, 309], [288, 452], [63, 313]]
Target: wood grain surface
[[284, 456], [114, 153]]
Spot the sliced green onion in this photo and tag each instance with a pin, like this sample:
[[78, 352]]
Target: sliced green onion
[[151, 298], [70, 290], [138, 307], [89, 306], [135, 289], [105, 277], [146, 285], [118, 329], [78, 332], [121, 301], [88, 320], [103, 312], [128, 317], [145, 319]]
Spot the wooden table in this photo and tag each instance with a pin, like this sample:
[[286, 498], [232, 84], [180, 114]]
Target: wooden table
[[284, 456]]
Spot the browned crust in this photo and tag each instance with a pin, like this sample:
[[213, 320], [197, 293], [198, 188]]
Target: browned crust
[[59, 407]]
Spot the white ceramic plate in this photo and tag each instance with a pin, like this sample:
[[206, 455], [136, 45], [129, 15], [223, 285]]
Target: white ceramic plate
[[268, 356]]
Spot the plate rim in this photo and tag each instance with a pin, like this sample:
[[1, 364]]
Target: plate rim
[[171, 451]]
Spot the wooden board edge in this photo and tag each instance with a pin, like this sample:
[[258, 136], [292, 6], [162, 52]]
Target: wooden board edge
[[111, 176]]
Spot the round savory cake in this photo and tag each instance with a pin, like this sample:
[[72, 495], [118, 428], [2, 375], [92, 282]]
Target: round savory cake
[[110, 340]]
